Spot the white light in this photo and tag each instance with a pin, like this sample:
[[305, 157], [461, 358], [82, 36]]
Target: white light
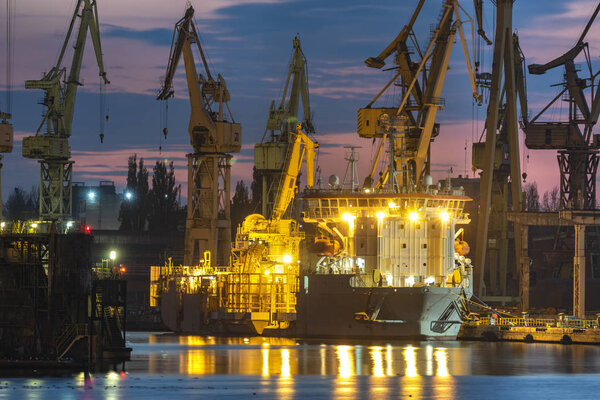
[[128, 195], [287, 259], [410, 281], [2, 225], [113, 255], [444, 216], [348, 217], [380, 215], [430, 280], [91, 195], [69, 224], [267, 272], [34, 225], [391, 204], [413, 216], [390, 279], [367, 190]]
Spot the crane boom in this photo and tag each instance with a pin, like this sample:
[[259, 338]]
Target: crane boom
[[208, 129], [539, 69], [271, 154], [411, 127], [287, 186]]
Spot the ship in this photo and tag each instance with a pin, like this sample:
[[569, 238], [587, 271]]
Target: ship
[[381, 259], [402, 272]]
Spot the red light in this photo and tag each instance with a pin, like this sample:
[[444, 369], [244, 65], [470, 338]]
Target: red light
[[123, 270], [88, 229]]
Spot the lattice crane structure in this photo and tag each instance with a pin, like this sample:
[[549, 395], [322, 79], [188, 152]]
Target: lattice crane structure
[[213, 137], [50, 145]]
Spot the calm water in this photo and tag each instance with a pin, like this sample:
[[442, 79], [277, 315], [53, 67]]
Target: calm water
[[167, 366]]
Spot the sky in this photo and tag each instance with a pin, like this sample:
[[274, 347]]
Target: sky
[[249, 42]]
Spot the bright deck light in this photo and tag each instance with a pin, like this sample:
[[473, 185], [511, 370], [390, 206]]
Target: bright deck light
[[444, 216], [91, 195], [287, 259], [113, 255], [413, 216], [380, 215], [348, 217]]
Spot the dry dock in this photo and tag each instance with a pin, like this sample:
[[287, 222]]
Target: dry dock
[[561, 330]]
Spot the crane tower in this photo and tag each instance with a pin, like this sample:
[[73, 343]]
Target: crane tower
[[213, 137], [271, 153]]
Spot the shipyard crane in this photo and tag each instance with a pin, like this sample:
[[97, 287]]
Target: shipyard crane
[[498, 156], [269, 155], [577, 159], [50, 145], [280, 236], [265, 256], [213, 137], [504, 178], [411, 127], [577, 147]]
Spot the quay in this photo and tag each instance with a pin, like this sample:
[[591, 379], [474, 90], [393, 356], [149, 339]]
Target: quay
[[565, 330]]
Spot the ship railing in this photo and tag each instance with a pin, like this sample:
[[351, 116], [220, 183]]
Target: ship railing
[[541, 322]]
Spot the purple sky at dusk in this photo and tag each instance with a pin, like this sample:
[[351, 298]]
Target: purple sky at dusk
[[249, 43]]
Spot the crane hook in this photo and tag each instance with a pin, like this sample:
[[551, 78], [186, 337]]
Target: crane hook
[[165, 132], [101, 137]]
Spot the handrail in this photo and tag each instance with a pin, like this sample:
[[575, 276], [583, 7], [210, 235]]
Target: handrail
[[540, 322]]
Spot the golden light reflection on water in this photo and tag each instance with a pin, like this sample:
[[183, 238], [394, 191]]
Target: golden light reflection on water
[[285, 363], [345, 361], [377, 359], [428, 360], [442, 362], [410, 359], [388, 358], [287, 358], [265, 361]]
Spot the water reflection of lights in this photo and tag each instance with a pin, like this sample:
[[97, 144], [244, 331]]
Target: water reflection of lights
[[198, 362], [323, 354], [377, 359], [429, 360], [346, 366], [411, 361], [265, 362], [442, 362], [197, 340], [285, 363], [388, 360]]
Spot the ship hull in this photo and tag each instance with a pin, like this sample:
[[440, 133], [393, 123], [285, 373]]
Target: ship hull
[[330, 307]]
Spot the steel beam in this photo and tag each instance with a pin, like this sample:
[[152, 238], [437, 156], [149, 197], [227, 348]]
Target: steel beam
[[579, 273]]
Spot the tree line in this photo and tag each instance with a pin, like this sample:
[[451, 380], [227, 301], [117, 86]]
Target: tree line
[[155, 208]]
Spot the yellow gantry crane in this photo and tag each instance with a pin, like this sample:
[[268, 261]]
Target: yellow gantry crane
[[213, 137], [270, 154], [50, 145], [264, 274], [276, 229], [411, 127]]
